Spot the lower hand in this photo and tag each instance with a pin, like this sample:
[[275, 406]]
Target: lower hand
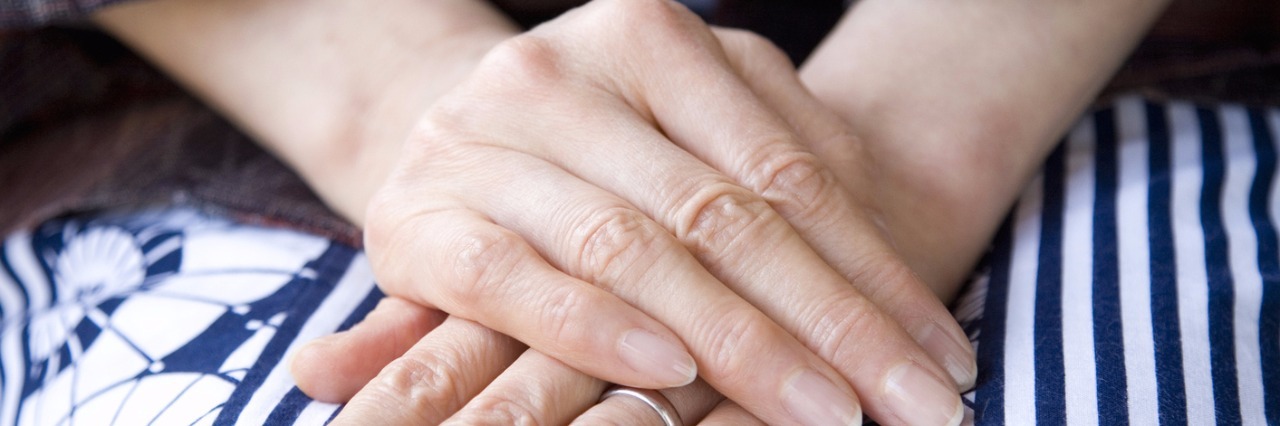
[[468, 374]]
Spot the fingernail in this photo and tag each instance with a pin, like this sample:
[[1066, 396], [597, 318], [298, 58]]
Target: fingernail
[[955, 356], [813, 400], [919, 398], [664, 361]]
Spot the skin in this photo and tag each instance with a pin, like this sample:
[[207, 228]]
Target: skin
[[1040, 101], [345, 142], [566, 271], [666, 235]]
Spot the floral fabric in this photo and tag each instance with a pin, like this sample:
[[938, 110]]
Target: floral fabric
[[168, 317]]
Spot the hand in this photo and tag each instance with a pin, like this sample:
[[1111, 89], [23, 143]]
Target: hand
[[827, 218], [446, 370]]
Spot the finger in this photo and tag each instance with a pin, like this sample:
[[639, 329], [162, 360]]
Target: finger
[[729, 413], [897, 379], [600, 239], [761, 151], [736, 235], [536, 390], [906, 299], [724, 227], [434, 378], [334, 367], [480, 270], [691, 403], [722, 221]]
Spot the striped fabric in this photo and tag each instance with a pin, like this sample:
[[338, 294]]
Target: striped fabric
[[1138, 279]]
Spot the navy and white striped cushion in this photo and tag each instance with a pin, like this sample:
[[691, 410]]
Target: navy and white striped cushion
[[1138, 279]]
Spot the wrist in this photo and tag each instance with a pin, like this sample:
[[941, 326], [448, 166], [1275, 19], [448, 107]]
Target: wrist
[[354, 160], [329, 86], [958, 103]]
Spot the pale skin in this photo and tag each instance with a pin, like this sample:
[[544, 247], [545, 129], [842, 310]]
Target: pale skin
[[801, 164]]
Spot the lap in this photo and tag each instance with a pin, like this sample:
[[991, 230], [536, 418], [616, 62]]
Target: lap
[[1137, 280], [1138, 277]]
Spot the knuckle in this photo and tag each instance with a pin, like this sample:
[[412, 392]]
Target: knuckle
[[441, 147], [483, 260], [442, 130], [757, 42], [528, 60], [880, 273], [561, 322], [842, 325], [796, 184], [390, 229], [662, 13], [755, 46], [737, 35], [878, 269], [383, 221], [495, 409], [731, 339], [430, 386], [720, 214], [749, 41], [668, 23], [615, 242], [386, 405]]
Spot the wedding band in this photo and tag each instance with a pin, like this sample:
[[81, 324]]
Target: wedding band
[[652, 398]]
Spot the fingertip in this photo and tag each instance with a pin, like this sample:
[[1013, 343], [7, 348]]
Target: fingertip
[[812, 399], [333, 368], [952, 353], [660, 359], [314, 372], [965, 374], [916, 396]]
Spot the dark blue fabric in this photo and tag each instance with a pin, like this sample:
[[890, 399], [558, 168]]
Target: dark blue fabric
[[988, 407], [7, 269], [295, 401], [1108, 335], [329, 269], [370, 301], [289, 408], [1268, 261], [1226, 396], [1165, 326], [1051, 404]]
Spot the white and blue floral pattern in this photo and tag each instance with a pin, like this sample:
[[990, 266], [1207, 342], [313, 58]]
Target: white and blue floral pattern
[[167, 317]]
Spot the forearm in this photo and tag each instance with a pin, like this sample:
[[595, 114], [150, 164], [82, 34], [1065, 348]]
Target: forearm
[[330, 86], [962, 100]]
